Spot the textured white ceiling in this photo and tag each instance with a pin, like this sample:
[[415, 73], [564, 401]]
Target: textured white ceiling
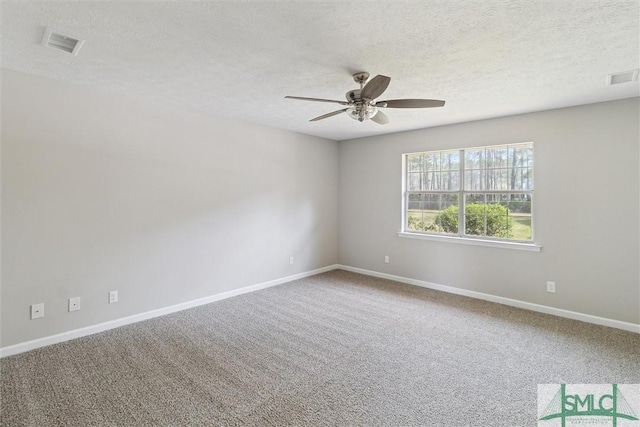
[[239, 59]]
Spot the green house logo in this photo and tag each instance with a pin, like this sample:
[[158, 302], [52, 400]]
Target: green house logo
[[588, 404]]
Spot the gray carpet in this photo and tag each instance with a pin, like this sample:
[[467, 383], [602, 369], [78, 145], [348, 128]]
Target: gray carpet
[[334, 349]]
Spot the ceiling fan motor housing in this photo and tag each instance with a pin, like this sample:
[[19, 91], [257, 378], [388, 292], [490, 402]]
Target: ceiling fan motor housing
[[354, 96], [361, 109]]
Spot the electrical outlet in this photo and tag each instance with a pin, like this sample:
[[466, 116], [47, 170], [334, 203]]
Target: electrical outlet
[[386, 259], [290, 260], [74, 304], [113, 297], [551, 287], [37, 310]]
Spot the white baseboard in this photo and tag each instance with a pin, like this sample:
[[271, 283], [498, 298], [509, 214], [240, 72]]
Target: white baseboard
[[631, 327], [94, 329], [89, 330]]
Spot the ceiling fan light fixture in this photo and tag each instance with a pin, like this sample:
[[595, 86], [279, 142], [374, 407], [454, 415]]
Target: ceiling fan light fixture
[[362, 113]]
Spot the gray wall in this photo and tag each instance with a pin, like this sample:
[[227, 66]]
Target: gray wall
[[586, 208], [102, 193]]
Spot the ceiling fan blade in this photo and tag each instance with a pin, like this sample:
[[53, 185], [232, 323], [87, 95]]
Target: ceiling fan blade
[[410, 103], [324, 116], [380, 118], [302, 98], [375, 87]]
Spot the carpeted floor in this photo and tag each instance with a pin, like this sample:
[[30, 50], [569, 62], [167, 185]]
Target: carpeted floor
[[334, 349]]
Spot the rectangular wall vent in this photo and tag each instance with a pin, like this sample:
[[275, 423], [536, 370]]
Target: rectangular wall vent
[[624, 77], [61, 42]]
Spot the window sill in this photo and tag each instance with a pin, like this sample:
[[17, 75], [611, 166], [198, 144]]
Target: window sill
[[531, 247]]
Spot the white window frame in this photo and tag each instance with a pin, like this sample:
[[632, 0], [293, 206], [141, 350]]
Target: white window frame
[[461, 237]]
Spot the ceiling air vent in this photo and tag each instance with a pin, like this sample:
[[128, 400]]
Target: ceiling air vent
[[627, 76], [61, 42]]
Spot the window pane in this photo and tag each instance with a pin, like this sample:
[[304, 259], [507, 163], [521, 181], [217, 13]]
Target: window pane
[[433, 213], [450, 161], [496, 157], [451, 180], [431, 181], [497, 179], [521, 179], [520, 212], [416, 202], [501, 215], [414, 181], [420, 211], [432, 162], [447, 219], [474, 179], [474, 159], [498, 223], [474, 217], [521, 167], [474, 198], [474, 224], [414, 162], [521, 227]]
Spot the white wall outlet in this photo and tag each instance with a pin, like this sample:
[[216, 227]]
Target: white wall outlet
[[74, 304], [37, 310], [551, 287], [290, 260], [386, 259], [113, 297]]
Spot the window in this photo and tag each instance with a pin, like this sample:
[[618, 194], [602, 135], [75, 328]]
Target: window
[[482, 192]]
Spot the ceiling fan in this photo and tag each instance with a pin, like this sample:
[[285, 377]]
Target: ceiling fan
[[362, 105]]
